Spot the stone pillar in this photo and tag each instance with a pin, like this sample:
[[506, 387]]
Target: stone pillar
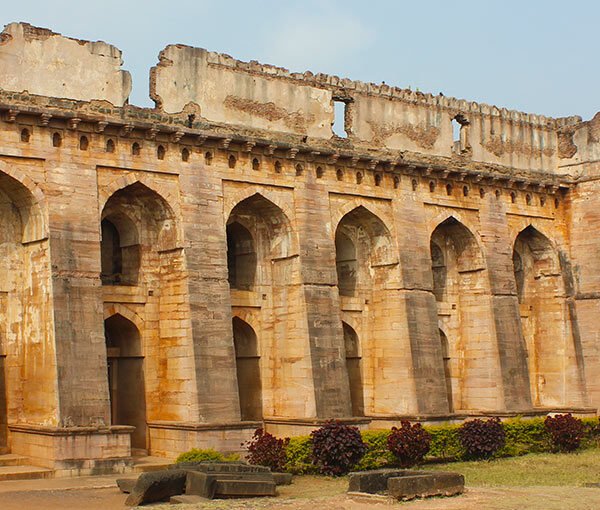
[[512, 352], [319, 279], [209, 296], [585, 304], [74, 231], [416, 296]]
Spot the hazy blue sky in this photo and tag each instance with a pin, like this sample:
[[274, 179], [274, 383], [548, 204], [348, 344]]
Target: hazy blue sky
[[536, 56]]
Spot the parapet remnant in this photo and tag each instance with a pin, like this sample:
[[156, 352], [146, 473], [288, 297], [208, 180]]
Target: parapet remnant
[[45, 63]]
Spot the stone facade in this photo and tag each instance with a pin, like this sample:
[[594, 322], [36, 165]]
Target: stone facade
[[228, 261]]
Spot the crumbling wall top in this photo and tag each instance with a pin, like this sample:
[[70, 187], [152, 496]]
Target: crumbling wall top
[[45, 63]]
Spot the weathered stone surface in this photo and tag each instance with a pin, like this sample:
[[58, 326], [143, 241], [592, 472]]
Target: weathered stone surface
[[126, 485], [93, 68], [425, 485], [157, 486], [283, 478], [376, 480], [234, 265], [215, 484]]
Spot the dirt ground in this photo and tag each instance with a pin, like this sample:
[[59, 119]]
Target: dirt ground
[[307, 493]]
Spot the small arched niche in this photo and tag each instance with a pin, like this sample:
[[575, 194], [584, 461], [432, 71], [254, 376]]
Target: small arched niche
[[126, 377], [446, 357], [241, 257], [247, 359], [354, 369], [120, 250]]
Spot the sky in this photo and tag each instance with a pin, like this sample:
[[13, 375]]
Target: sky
[[537, 56]]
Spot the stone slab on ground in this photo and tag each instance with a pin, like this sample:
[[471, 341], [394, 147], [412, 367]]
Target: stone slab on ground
[[282, 478], [426, 485], [227, 485], [157, 486], [126, 485], [376, 480]]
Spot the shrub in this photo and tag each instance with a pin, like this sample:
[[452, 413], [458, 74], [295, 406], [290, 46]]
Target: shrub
[[336, 448], [298, 456], [209, 455], [445, 443], [482, 439], [566, 432], [524, 436], [409, 443], [264, 449], [377, 455]]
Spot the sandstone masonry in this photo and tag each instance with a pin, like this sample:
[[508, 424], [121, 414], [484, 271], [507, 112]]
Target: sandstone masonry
[[175, 277]]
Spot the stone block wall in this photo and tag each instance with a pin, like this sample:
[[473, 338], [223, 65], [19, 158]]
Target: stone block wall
[[216, 264]]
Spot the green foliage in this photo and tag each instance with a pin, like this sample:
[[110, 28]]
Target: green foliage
[[445, 443], [524, 436], [377, 455], [209, 455], [298, 455]]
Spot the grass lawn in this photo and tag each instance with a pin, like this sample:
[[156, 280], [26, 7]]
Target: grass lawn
[[547, 469]]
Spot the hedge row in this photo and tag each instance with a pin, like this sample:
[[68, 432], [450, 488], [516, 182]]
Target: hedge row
[[522, 436]]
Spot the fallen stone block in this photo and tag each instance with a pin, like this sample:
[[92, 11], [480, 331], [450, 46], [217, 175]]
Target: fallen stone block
[[426, 485], [126, 485], [227, 485], [244, 488], [221, 467], [157, 486], [375, 481], [282, 478]]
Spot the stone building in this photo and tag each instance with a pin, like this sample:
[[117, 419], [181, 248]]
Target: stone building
[[174, 277]]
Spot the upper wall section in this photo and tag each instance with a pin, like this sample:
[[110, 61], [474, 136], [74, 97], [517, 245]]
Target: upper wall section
[[255, 100], [254, 95], [42, 62]]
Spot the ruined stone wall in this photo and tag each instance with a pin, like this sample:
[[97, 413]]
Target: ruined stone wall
[[251, 145]]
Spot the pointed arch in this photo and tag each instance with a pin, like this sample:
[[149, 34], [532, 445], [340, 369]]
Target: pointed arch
[[29, 200], [124, 311], [267, 223], [463, 242], [447, 361], [353, 355], [363, 242], [247, 356], [132, 217], [126, 376], [545, 321]]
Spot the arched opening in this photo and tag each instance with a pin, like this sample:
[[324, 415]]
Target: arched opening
[[263, 282], [241, 257], [346, 264], [27, 388], [447, 369], [247, 360], [461, 290], [126, 377], [438, 266], [366, 264], [354, 368], [544, 319], [363, 244], [120, 250]]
